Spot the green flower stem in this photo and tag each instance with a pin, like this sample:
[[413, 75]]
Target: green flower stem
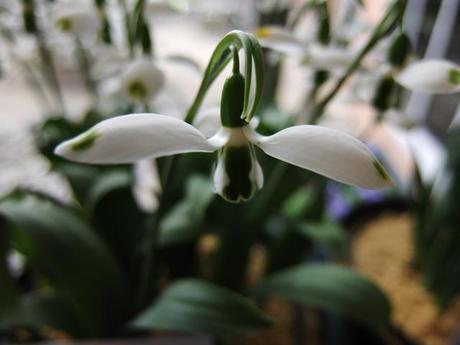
[[106, 30], [127, 23], [49, 69], [388, 22], [85, 69], [235, 241], [140, 29], [149, 277]]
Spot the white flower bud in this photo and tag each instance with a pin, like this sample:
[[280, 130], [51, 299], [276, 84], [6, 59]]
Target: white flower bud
[[431, 76], [141, 80]]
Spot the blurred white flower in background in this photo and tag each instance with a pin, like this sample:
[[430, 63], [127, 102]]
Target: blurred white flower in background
[[141, 80], [431, 76], [78, 17]]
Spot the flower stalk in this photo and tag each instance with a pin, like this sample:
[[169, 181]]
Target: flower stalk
[[392, 18]]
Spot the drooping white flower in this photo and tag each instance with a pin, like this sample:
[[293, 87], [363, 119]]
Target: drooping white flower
[[431, 76], [76, 17], [141, 80], [129, 138], [280, 39], [329, 57]]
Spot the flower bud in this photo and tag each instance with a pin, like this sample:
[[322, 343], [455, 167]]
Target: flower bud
[[141, 80], [399, 51], [384, 93]]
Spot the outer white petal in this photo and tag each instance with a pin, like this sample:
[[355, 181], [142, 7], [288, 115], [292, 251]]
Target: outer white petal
[[280, 40], [325, 151], [129, 138], [329, 57], [430, 76], [147, 185]]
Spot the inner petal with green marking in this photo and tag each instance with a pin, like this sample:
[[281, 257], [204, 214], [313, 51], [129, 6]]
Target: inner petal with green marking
[[238, 175]]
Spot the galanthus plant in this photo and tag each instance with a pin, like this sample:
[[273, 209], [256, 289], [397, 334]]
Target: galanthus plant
[[185, 261], [238, 175]]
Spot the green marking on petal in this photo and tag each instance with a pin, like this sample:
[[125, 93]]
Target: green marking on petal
[[64, 24], [454, 76], [137, 90], [381, 170], [239, 164], [86, 141]]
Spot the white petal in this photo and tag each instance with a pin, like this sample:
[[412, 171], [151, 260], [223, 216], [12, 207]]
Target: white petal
[[429, 153], [430, 76], [280, 40], [208, 121], [325, 151], [393, 146], [147, 185], [141, 80], [329, 57], [79, 17], [129, 138]]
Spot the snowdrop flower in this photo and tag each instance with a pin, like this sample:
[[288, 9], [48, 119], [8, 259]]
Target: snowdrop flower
[[141, 80], [238, 175], [329, 57], [77, 17], [431, 76]]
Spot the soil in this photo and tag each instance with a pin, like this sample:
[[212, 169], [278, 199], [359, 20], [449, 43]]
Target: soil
[[383, 251]]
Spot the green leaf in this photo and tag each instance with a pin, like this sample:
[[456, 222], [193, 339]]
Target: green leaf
[[36, 311], [327, 234], [66, 251], [117, 218], [197, 306], [8, 290], [184, 221], [332, 287]]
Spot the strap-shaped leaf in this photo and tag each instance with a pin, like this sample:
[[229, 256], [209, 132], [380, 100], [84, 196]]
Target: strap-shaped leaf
[[327, 234], [36, 310], [220, 58], [184, 220], [332, 287], [197, 306], [67, 252], [117, 218]]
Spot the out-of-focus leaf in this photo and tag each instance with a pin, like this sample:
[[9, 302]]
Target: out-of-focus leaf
[[332, 287], [8, 290], [197, 306], [67, 252], [184, 221], [327, 234], [37, 311], [80, 177], [117, 218]]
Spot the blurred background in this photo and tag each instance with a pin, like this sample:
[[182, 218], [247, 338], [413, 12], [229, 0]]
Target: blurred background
[[58, 80]]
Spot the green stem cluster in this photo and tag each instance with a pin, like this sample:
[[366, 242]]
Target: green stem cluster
[[392, 18], [49, 68]]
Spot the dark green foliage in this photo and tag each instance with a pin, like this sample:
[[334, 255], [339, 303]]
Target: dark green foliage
[[197, 306]]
